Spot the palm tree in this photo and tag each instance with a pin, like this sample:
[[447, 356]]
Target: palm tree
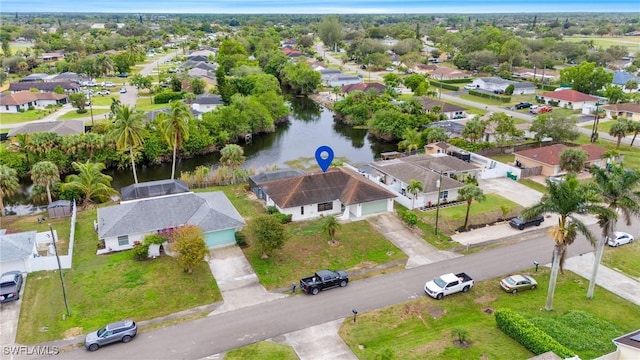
[[415, 187], [8, 184], [573, 160], [616, 187], [410, 140], [104, 64], [20, 143], [634, 127], [91, 182], [474, 129], [128, 132], [45, 173], [115, 104], [232, 155], [336, 90], [619, 129], [330, 225], [175, 127], [565, 198], [469, 193], [631, 85], [92, 142]]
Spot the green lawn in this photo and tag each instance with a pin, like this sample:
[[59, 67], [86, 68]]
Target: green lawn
[[101, 289], [534, 185], [504, 158], [26, 116], [72, 115], [451, 218], [359, 246], [625, 258], [422, 328], [264, 350], [105, 100], [632, 43]]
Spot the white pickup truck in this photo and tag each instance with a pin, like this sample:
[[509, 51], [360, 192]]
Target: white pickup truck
[[448, 284]]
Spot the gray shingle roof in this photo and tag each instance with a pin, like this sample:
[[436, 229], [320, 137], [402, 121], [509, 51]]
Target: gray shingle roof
[[17, 246], [211, 211], [406, 171], [65, 127]]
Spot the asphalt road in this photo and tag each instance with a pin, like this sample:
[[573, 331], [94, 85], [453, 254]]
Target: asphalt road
[[226, 331]]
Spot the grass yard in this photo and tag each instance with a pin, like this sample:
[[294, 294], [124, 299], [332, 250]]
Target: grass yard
[[534, 185], [632, 43], [625, 258], [422, 328], [29, 115], [238, 196], [451, 218], [104, 100], [15, 224], [359, 246], [264, 350], [101, 289], [73, 115], [504, 158]]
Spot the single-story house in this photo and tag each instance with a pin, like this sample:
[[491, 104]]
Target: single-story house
[[201, 73], [291, 52], [22, 100], [443, 73], [342, 80], [628, 347], [69, 76], [36, 77], [545, 75], [570, 99], [256, 181], [207, 102], [49, 86], [549, 157], [338, 191], [52, 56], [434, 174], [621, 78], [326, 74], [65, 127], [439, 147], [499, 84], [451, 111], [453, 128], [120, 227], [16, 250], [364, 87], [629, 111]]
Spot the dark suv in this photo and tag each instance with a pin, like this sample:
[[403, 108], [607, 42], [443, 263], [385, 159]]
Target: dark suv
[[520, 223], [10, 285], [523, 105], [123, 331]]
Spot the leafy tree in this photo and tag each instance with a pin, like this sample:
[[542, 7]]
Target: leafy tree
[[79, 101], [392, 80], [413, 81], [197, 86], [585, 77], [128, 132], [434, 134], [566, 199], [631, 85], [268, 233], [90, 182], [573, 160], [504, 127], [330, 225], [45, 173], [389, 124], [620, 129], [559, 127], [509, 89], [469, 193], [301, 78], [188, 242], [616, 185], [9, 185], [414, 188], [330, 31], [175, 127], [474, 129], [615, 94]]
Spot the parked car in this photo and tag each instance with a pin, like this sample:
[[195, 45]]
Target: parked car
[[123, 75], [324, 279], [523, 105], [515, 283], [620, 238], [470, 87], [520, 223], [540, 109], [448, 284], [498, 91], [124, 331], [103, 92], [10, 285], [123, 90], [108, 84]]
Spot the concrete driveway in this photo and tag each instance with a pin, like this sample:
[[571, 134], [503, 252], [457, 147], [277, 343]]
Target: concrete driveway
[[9, 316], [512, 190]]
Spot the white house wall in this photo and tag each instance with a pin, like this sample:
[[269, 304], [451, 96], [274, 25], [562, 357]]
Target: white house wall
[[311, 211], [111, 244]]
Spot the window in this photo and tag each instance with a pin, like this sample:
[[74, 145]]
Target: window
[[325, 206], [301, 210], [444, 195], [123, 240]]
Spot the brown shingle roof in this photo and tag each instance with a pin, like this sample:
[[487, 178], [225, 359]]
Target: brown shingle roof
[[19, 98], [363, 87], [313, 188], [569, 95], [550, 155], [628, 107]]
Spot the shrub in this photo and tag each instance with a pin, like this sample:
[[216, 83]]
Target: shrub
[[141, 252], [167, 96], [272, 210], [283, 218], [528, 335], [443, 85], [241, 239], [410, 218]]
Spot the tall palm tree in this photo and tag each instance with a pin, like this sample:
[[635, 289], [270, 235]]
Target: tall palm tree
[[634, 127], [474, 129], [410, 140], [92, 142], [415, 187], [128, 132], [616, 185], [175, 127], [104, 64], [620, 129], [469, 193], [573, 160], [91, 182], [8, 184], [45, 173], [566, 199]]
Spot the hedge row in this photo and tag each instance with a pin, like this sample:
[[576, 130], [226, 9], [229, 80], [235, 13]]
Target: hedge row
[[528, 335], [443, 85], [504, 99], [546, 87], [167, 96], [456, 81]]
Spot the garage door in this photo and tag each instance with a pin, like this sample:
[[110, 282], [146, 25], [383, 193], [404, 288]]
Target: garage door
[[220, 238], [374, 207]]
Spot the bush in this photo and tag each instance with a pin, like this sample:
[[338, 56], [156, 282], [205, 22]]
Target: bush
[[504, 99], [410, 218], [443, 85], [272, 210], [284, 218], [241, 239], [528, 335], [141, 252], [167, 96]]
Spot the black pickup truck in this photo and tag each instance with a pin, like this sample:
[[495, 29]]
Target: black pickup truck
[[324, 279], [520, 223]]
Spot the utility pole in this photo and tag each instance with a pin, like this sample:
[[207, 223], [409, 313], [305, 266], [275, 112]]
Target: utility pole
[[594, 130], [64, 291], [91, 107], [439, 185]]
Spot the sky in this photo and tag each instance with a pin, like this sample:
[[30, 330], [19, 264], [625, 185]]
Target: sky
[[319, 6]]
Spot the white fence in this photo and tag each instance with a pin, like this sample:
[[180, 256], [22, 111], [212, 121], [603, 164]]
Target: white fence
[[492, 169], [50, 262]]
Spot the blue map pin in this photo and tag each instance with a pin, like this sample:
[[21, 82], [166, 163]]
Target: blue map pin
[[326, 161]]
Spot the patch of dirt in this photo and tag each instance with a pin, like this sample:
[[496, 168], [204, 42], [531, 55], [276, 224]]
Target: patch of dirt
[[361, 347], [485, 299], [73, 332], [435, 311], [461, 344], [364, 265], [334, 243], [488, 311]]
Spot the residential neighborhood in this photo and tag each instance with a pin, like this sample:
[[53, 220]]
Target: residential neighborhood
[[171, 179]]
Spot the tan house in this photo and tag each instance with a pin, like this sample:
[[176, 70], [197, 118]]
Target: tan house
[[629, 111], [570, 99], [549, 157]]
